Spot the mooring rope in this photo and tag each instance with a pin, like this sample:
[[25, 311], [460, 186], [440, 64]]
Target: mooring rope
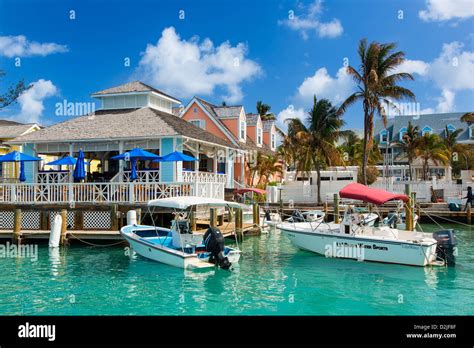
[[95, 245]]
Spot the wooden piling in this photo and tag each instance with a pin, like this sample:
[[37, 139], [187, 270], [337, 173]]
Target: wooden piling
[[63, 227], [408, 209], [326, 211], [17, 227], [213, 217], [256, 214], [44, 215], [139, 216], [336, 208], [114, 219], [193, 220], [239, 224], [469, 214]]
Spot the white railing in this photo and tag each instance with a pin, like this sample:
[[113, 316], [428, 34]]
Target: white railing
[[152, 175], [134, 192], [52, 177], [201, 177]]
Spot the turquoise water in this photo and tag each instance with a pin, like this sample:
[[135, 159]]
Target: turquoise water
[[273, 278]]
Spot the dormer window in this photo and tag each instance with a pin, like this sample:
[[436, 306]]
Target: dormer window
[[259, 135], [471, 131], [243, 130], [426, 131], [450, 129], [402, 133], [199, 123], [383, 136]]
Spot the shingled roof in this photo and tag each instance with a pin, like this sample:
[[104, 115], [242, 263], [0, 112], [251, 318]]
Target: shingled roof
[[13, 131], [130, 87], [118, 124], [252, 119]]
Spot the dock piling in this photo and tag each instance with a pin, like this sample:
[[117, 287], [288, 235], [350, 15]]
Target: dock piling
[[336, 208], [17, 227], [408, 209], [239, 224], [213, 217], [469, 214]]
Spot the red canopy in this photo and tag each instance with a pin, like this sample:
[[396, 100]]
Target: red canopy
[[370, 195], [250, 189]]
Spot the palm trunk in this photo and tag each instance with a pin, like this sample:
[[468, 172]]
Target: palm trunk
[[318, 182], [367, 139]]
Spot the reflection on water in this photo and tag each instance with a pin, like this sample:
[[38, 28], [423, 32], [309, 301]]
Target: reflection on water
[[273, 277]]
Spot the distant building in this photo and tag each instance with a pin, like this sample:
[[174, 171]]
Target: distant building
[[389, 138]]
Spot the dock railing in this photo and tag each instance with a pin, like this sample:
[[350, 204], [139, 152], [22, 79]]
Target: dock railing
[[129, 192]]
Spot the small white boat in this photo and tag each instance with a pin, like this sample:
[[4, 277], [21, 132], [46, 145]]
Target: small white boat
[[353, 239], [178, 246]]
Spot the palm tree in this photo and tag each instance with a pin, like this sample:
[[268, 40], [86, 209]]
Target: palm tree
[[268, 166], [264, 111], [431, 148], [409, 145], [453, 147], [317, 141], [377, 87], [468, 117]]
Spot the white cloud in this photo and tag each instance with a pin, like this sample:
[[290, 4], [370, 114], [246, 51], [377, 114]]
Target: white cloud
[[311, 22], [446, 101], [20, 46], [186, 68], [413, 67], [321, 84], [290, 112], [32, 101], [442, 10]]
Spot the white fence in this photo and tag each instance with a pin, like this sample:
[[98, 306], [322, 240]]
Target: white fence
[[204, 177], [451, 191], [105, 192]]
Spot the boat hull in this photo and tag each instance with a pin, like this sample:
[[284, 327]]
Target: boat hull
[[362, 248]]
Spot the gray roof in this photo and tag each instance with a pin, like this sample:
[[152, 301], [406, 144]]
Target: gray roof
[[252, 119], [250, 145], [142, 123], [437, 122], [228, 111], [267, 125], [13, 131], [130, 87]]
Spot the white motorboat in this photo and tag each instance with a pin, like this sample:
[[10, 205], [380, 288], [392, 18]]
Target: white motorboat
[[353, 239], [179, 246], [306, 216]]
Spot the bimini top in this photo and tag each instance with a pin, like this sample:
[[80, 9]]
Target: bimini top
[[370, 195], [185, 202]]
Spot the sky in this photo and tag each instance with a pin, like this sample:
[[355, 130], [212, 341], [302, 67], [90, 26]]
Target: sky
[[282, 52]]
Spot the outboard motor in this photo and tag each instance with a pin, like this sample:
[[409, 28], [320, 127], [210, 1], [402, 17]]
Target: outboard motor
[[445, 250], [297, 216], [267, 215], [214, 243]]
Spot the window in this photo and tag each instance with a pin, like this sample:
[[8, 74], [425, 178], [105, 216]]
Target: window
[[471, 132], [402, 132], [383, 136], [273, 141], [259, 136], [426, 130], [450, 129], [198, 123], [243, 127], [195, 110]]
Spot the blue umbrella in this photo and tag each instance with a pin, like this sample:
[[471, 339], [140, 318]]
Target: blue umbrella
[[80, 169], [133, 174], [16, 156], [136, 153], [176, 157], [65, 161]]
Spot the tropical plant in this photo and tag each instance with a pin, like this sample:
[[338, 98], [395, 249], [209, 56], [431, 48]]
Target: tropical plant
[[431, 148], [409, 145], [455, 151], [378, 87], [316, 142], [352, 151], [12, 93], [264, 111]]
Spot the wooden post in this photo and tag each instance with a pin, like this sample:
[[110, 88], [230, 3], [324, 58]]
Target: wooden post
[[114, 223], [17, 227], [336, 208], [469, 214], [63, 227], [256, 214], [408, 209], [213, 217], [78, 220], [220, 220], [192, 219], [44, 220], [139, 216], [326, 211], [238, 224]]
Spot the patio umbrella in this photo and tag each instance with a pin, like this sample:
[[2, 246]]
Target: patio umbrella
[[176, 157], [65, 161], [133, 156], [16, 156], [79, 169]]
